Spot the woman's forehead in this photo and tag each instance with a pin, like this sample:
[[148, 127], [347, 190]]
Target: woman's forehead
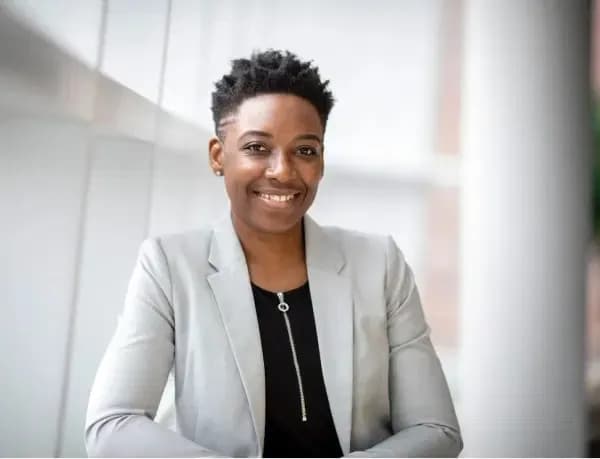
[[277, 111]]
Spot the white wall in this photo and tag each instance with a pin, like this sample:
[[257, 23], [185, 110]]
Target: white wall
[[115, 222], [185, 192], [73, 25], [135, 36], [42, 169]]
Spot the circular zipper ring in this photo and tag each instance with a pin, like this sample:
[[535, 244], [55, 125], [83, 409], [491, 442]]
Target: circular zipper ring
[[283, 307]]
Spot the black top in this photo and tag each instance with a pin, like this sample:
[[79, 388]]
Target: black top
[[286, 434]]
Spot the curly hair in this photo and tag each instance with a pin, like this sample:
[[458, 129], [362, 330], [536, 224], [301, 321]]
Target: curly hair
[[269, 72]]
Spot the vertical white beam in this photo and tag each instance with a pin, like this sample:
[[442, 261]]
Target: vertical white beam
[[525, 225]]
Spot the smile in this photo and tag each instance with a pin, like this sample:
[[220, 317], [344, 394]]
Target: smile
[[279, 199]]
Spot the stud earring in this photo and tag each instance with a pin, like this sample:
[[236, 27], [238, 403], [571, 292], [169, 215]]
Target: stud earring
[[218, 172]]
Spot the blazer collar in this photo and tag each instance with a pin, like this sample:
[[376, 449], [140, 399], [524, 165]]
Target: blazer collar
[[321, 251], [225, 248], [332, 299]]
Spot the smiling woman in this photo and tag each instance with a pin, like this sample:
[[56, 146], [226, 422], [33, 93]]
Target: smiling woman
[[286, 338], [271, 154]]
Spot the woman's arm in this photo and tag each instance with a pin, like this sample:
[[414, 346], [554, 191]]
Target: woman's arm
[[131, 377], [422, 412]]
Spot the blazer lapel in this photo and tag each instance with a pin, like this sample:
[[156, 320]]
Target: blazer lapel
[[331, 294], [233, 293]]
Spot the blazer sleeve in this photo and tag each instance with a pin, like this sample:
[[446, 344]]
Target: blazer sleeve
[[422, 414], [132, 374]]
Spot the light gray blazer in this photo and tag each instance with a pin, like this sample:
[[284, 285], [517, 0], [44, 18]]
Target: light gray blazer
[[190, 308]]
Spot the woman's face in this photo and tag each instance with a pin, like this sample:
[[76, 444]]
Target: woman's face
[[271, 158]]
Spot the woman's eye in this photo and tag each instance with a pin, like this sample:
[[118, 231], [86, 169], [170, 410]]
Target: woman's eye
[[255, 148], [307, 151]]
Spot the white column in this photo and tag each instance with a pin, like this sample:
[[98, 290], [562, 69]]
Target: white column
[[525, 226]]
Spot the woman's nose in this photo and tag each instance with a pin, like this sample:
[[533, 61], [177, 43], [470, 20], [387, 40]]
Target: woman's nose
[[280, 167]]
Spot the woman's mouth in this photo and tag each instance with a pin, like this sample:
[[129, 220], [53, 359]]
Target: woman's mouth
[[277, 199]]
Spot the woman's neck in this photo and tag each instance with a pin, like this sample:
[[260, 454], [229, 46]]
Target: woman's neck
[[270, 248], [276, 261]]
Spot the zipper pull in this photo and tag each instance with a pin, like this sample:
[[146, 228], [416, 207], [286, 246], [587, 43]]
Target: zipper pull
[[282, 306]]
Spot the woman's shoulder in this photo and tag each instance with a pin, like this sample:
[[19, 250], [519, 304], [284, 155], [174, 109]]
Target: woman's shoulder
[[363, 246], [189, 246], [192, 239], [360, 247], [354, 239], [349, 234]]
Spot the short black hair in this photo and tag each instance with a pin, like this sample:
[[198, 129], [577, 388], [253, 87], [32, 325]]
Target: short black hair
[[270, 72]]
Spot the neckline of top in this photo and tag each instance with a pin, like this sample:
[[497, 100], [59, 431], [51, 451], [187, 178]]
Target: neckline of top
[[287, 292]]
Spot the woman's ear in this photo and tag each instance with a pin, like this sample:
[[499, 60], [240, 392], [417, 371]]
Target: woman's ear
[[215, 155]]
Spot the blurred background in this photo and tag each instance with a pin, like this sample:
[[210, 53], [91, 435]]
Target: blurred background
[[469, 130]]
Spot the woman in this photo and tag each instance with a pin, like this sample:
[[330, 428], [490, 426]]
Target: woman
[[286, 338]]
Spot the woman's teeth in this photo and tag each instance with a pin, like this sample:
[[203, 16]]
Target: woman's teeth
[[277, 197]]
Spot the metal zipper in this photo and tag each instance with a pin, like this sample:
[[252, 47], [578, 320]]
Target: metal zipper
[[284, 308]]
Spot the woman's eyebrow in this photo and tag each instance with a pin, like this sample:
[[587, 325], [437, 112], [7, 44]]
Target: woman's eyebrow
[[266, 134], [255, 132], [309, 137]]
